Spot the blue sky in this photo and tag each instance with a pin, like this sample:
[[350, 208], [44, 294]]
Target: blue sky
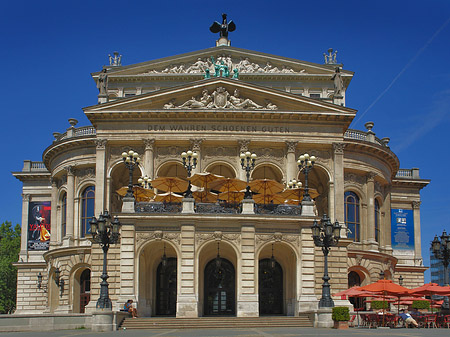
[[399, 51]]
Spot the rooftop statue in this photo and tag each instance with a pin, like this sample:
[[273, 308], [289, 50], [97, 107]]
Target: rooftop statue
[[338, 83], [115, 60], [224, 27]]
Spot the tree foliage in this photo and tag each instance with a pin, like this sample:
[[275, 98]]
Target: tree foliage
[[9, 251]]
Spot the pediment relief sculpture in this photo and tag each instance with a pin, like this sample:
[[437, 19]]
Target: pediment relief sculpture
[[221, 99], [242, 65]]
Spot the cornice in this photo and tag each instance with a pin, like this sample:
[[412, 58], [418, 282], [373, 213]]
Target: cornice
[[69, 143], [66, 251], [382, 153]]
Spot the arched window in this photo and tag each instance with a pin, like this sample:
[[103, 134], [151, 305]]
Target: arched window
[[352, 215], [377, 221], [87, 209], [63, 215]]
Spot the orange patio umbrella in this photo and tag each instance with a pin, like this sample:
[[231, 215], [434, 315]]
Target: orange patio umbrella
[[170, 184], [268, 199], [168, 197], [228, 185], [232, 197], [297, 193], [140, 193], [204, 196], [429, 289], [266, 186], [354, 292], [203, 179]]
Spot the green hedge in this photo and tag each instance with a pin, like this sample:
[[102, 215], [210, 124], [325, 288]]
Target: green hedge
[[376, 305], [421, 304], [340, 314]]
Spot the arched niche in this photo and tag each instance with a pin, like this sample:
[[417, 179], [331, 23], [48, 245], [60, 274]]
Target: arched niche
[[222, 169], [208, 253], [318, 178], [172, 169], [267, 171], [81, 288], [120, 177], [285, 256], [150, 259]]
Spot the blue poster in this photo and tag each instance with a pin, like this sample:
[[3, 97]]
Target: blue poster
[[402, 229]]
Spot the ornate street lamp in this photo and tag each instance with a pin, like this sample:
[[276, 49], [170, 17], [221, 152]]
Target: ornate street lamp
[[294, 183], [305, 164], [441, 250], [130, 159], [190, 163], [326, 235], [105, 232], [145, 182], [59, 281], [248, 164]]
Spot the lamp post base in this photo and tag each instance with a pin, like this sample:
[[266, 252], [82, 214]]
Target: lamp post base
[[102, 320]]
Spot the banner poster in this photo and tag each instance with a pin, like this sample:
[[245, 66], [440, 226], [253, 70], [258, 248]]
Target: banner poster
[[402, 231], [39, 225]]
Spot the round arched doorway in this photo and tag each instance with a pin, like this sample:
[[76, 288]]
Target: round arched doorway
[[166, 288], [270, 287], [219, 285]]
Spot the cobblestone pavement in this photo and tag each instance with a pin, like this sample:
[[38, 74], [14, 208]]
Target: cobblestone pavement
[[253, 332]]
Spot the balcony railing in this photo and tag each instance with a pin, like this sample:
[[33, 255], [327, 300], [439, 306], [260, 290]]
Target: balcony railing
[[76, 132]]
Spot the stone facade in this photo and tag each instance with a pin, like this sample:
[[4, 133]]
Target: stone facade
[[163, 107]]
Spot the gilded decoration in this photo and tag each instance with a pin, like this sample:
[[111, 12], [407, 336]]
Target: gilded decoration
[[217, 236], [221, 99], [277, 237], [243, 66]]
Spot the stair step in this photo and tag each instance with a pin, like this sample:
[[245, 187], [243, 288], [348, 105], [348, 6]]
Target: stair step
[[215, 322]]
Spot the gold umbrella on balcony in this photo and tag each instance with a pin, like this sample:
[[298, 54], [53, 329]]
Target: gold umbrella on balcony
[[140, 193], [269, 199], [228, 185], [168, 197], [203, 179], [170, 184], [232, 197]]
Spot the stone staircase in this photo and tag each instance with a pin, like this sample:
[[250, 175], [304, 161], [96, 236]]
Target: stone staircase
[[216, 322]]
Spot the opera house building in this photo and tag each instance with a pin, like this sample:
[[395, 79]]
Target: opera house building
[[217, 163]]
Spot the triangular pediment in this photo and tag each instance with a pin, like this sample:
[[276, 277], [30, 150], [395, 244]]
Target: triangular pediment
[[210, 96], [245, 61]]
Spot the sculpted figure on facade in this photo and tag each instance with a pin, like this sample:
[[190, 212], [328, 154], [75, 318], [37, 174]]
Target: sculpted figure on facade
[[102, 83], [338, 82], [240, 103]]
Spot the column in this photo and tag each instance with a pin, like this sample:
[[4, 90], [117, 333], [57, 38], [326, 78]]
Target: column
[[148, 157], [243, 147], [187, 300], [417, 241], [70, 219], [55, 230], [338, 161], [196, 147], [385, 240], [369, 238], [291, 163], [23, 256], [247, 298], [100, 167]]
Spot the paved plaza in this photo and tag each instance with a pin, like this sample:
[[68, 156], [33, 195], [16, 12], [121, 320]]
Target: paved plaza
[[253, 332]]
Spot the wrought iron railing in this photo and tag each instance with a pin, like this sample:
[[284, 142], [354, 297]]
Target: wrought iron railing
[[278, 209], [157, 207]]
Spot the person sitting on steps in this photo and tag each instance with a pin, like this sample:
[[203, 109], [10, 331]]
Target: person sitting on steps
[[128, 307]]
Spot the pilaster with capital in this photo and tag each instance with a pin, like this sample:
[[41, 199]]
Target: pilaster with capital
[[338, 163], [100, 169], [24, 233], [196, 145], [385, 228], [149, 157], [417, 238], [291, 167], [243, 147], [70, 204], [369, 238], [55, 230]]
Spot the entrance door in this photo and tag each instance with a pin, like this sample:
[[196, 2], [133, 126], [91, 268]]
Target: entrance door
[[219, 283], [85, 289], [270, 288], [166, 288]]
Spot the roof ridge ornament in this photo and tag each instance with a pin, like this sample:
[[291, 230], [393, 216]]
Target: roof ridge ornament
[[116, 60], [223, 28], [331, 57]]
